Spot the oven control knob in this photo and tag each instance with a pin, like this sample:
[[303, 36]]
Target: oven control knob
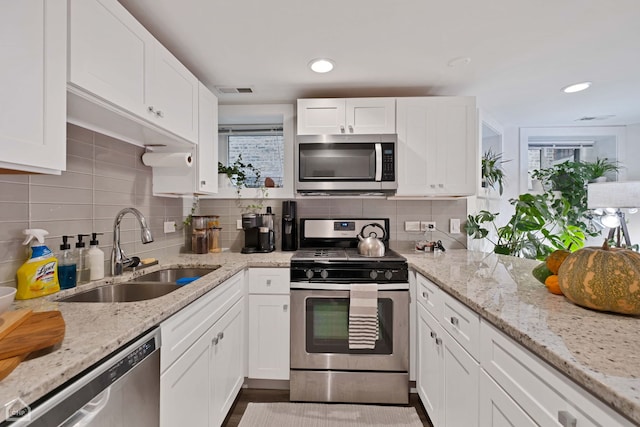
[[309, 274], [388, 274], [324, 274], [373, 274]]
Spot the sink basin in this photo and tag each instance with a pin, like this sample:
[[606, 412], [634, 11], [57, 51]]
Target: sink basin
[[123, 292], [171, 275]]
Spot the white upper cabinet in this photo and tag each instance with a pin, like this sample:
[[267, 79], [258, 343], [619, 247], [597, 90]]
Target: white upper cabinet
[[33, 119], [116, 63], [437, 146], [346, 116]]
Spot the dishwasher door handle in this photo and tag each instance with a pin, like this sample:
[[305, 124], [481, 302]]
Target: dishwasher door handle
[[88, 412]]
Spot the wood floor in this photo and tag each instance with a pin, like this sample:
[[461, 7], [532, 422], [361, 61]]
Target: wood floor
[[257, 395]]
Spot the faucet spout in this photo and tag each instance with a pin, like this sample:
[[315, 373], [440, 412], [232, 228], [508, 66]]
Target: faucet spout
[[119, 260]]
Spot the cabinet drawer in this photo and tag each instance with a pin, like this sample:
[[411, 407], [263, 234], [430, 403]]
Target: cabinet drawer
[[269, 281], [430, 296], [184, 328], [462, 323], [544, 394]]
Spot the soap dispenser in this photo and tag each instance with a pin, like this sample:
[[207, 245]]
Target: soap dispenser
[[66, 265], [82, 268], [95, 258]]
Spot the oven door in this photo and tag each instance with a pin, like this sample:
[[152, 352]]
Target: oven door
[[320, 332]]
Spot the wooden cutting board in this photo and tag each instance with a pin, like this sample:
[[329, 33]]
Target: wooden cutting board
[[38, 331], [8, 365], [9, 320]]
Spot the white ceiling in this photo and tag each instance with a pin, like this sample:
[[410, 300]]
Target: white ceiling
[[522, 52]]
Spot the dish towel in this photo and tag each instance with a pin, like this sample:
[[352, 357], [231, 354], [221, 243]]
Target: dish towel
[[363, 315]]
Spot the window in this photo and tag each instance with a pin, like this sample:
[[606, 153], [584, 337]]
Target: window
[[265, 151]]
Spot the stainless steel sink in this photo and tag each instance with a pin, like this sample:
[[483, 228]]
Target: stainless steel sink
[[123, 292], [148, 286], [171, 275]]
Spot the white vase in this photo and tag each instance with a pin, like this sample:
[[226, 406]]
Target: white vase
[[224, 181]]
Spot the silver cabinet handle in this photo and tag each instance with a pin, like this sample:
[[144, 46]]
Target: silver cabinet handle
[[455, 321], [433, 186], [566, 419], [341, 128], [425, 295], [203, 182], [220, 335], [441, 185], [268, 282], [151, 109], [438, 341], [159, 113], [285, 307], [215, 341], [350, 129], [433, 335]]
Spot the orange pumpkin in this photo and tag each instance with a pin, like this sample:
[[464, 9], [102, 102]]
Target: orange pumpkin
[[551, 283], [555, 260], [602, 278]]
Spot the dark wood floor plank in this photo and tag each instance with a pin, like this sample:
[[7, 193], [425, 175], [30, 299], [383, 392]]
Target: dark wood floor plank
[[248, 395]]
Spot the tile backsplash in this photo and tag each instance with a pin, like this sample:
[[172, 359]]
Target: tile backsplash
[[103, 176], [398, 211]]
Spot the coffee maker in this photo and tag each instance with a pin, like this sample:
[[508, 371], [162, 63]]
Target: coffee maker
[[289, 226], [259, 235]]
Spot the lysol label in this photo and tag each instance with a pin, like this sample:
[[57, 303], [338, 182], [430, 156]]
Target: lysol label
[[44, 273]]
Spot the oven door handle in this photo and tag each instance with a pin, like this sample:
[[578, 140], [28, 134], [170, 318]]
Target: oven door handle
[[378, 148]]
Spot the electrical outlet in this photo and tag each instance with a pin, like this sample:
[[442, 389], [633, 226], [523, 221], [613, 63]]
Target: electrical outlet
[[238, 224], [169, 227], [454, 226], [427, 226], [412, 226]]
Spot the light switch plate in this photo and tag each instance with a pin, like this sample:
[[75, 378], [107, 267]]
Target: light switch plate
[[454, 226], [412, 226], [169, 227], [238, 224]]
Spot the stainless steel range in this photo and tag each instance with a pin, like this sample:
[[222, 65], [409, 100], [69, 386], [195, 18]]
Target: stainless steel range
[[325, 365]]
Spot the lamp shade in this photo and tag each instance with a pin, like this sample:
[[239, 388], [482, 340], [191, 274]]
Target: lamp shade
[[624, 194]]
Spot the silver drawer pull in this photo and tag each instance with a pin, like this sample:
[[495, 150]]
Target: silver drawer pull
[[433, 335], [151, 109], [425, 295], [566, 419], [341, 128], [285, 307], [220, 335], [350, 129], [215, 341], [268, 282], [455, 321], [159, 113], [438, 341]]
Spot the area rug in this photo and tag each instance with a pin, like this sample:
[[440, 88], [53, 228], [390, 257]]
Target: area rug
[[285, 414]]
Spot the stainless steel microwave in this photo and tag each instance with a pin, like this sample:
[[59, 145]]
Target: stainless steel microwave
[[346, 163]]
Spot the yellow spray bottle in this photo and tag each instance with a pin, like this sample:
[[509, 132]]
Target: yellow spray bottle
[[39, 275]]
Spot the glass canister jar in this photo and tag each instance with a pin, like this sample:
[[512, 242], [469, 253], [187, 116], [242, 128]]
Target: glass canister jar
[[214, 239], [199, 237]]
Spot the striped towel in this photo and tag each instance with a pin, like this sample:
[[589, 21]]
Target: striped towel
[[363, 315]]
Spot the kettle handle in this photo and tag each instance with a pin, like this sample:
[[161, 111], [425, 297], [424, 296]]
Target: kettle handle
[[373, 224]]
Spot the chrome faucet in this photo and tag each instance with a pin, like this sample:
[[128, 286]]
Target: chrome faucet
[[119, 260]]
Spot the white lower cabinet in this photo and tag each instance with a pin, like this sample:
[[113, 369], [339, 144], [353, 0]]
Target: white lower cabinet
[[497, 408], [202, 357], [447, 377], [269, 322]]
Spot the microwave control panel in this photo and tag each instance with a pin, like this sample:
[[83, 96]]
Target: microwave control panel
[[388, 162]]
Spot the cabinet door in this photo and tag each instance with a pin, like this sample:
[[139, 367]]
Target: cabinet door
[[226, 363], [109, 54], [370, 115], [33, 100], [206, 179], [185, 387], [437, 149], [497, 409], [269, 337], [321, 116], [429, 379], [173, 95], [461, 383]]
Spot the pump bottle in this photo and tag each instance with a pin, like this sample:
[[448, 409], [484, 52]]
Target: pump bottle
[[66, 265], [95, 258], [82, 269]]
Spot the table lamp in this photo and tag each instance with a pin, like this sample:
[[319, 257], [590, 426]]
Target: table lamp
[[612, 197]]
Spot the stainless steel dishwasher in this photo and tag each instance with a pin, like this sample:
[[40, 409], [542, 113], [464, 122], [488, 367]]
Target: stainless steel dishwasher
[[122, 390]]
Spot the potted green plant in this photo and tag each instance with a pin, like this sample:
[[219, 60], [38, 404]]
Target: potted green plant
[[238, 173], [492, 173], [600, 167], [537, 227]]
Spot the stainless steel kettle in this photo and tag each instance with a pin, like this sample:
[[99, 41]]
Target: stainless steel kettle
[[371, 246]]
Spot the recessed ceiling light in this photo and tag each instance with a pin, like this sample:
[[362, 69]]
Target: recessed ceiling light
[[576, 87], [460, 61], [321, 65]]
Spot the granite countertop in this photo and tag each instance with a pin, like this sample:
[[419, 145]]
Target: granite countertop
[[597, 350]]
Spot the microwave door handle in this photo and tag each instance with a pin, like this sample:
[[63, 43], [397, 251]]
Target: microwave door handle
[[378, 148]]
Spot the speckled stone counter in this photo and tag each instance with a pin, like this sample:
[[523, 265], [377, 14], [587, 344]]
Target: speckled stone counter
[[599, 351]]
